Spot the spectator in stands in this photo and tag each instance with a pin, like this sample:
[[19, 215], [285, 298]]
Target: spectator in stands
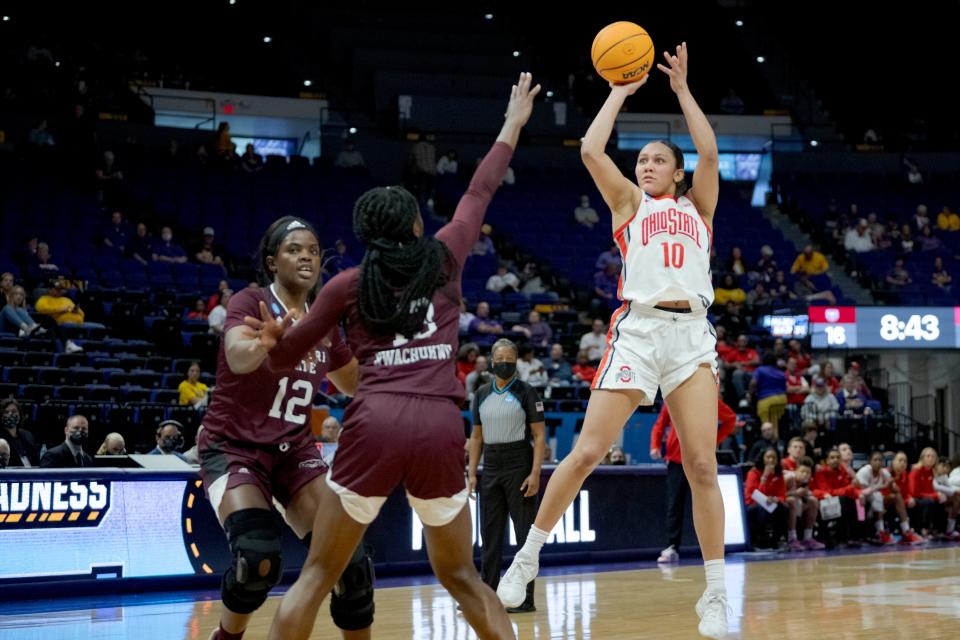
[[113, 445], [779, 350], [906, 239], [585, 214], [169, 440], [741, 364], [852, 401], [594, 343], [768, 440], [478, 377], [881, 239], [533, 281], [584, 371], [729, 291], [108, 176], [927, 241], [447, 164], [16, 318], [605, 284], [821, 406], [732, 104], [6, 287], [208, 252], [780, 290], [611, 256], [617, 456], [758, 299], [769, 385], [467, 359], [503, 281], [199, 310], [766, 477], [735, 264], [805, 289], [942, 485], [858, 239], [484, 244], [732, 321], [767, 265], [350, 157], [856, 372], [537, 332], [214, 300], [948, 220], [70, 453], [833, 480], [465, 317], [800, 500], [57, 306], [422, 168], [811, 434], [797, 352], [873, 480], [940, 278], [224, 147], [42, 267], [484, 330], [557, 367], [193, 392], [341, 260], [913, 172], [24, 450], [873, 226], [930, 503], [898, 277], [251, 162], [4, 454], [797, 386], [826, 372], [166, 250], [920, 217], [530, 369], [810, 262], [141, 245], [40, 135], [218, 316], [118, 233]]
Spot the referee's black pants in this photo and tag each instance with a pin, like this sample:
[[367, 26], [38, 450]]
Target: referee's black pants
[[678, 489], [505, 467]]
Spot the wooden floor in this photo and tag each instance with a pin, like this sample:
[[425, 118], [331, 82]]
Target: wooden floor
[[911, 594]]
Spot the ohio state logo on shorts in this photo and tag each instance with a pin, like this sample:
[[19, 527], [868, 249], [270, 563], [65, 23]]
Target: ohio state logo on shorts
[[627, 374]]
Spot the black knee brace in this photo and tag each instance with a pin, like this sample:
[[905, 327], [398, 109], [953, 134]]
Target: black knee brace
[[351, 603], [254, 536]]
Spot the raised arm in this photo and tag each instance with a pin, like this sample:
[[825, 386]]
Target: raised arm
[[620, 194], [462, 231], [706, 179]]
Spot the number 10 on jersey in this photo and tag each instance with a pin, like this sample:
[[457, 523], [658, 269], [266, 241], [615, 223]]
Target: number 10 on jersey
[[672, 255]]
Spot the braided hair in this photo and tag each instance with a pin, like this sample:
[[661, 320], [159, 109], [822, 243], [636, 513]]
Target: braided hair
[[270, 244], [399, 270]]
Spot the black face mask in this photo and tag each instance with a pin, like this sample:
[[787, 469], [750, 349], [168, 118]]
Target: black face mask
[[11, 421], [4, 462], [504, 370], [78, 438], [171, 444]]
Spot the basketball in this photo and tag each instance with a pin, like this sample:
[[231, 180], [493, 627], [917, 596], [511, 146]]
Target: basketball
[[622, 52]]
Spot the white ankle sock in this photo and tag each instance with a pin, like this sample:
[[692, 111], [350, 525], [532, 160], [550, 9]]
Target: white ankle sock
[[535, 540], [905, 526], [879, 525], [808, 534], [791, 535], [714, 571], [951, 524]]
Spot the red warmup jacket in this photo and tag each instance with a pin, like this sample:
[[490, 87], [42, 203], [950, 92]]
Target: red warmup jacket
[[788, 464], [774, 487], [726, 415], [921, 483], [903, 483], [832, 482]]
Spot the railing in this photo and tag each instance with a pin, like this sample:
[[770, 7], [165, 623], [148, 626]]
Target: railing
[[166, 106]]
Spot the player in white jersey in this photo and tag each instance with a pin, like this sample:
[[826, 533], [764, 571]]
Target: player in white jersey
[[660, 337]]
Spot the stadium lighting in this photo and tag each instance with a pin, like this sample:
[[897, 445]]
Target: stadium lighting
[[814, 143], [352, 130], [267, 39], [489, 16], [739, 23], [761, 59], [516, 54], [307, 83]]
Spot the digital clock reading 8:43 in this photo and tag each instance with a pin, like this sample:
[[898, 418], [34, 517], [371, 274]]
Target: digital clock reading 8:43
[[917, 327]]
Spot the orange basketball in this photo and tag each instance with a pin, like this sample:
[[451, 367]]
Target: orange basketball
[[622, 52]]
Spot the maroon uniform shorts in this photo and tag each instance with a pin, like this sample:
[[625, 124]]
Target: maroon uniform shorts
[[389, 439], [278, 471]]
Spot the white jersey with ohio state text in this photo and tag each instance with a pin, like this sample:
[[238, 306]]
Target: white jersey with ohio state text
[[666, 253]]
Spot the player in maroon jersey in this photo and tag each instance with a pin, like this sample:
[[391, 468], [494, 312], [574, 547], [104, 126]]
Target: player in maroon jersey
[[256, 446], [401, 313]]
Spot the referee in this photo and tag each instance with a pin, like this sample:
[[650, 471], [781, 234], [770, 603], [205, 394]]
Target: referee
[[506, 413]]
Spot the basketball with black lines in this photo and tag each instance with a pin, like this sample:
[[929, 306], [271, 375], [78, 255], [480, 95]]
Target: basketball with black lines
[[622, 52]]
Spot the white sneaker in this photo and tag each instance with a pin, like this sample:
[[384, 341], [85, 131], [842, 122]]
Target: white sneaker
[[668, 556], [712, 610], [513, 585], [72, 347]]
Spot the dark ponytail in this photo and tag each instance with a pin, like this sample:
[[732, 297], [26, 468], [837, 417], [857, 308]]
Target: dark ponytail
[[399, 270], [679, 188]]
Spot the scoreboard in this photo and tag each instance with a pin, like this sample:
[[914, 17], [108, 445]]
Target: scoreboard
[[885, 327]]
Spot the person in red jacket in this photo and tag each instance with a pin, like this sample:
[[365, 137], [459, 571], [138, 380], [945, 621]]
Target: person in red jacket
[[677, 487], [929, 503], [766, 527], [833, 479], [796, 449]]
